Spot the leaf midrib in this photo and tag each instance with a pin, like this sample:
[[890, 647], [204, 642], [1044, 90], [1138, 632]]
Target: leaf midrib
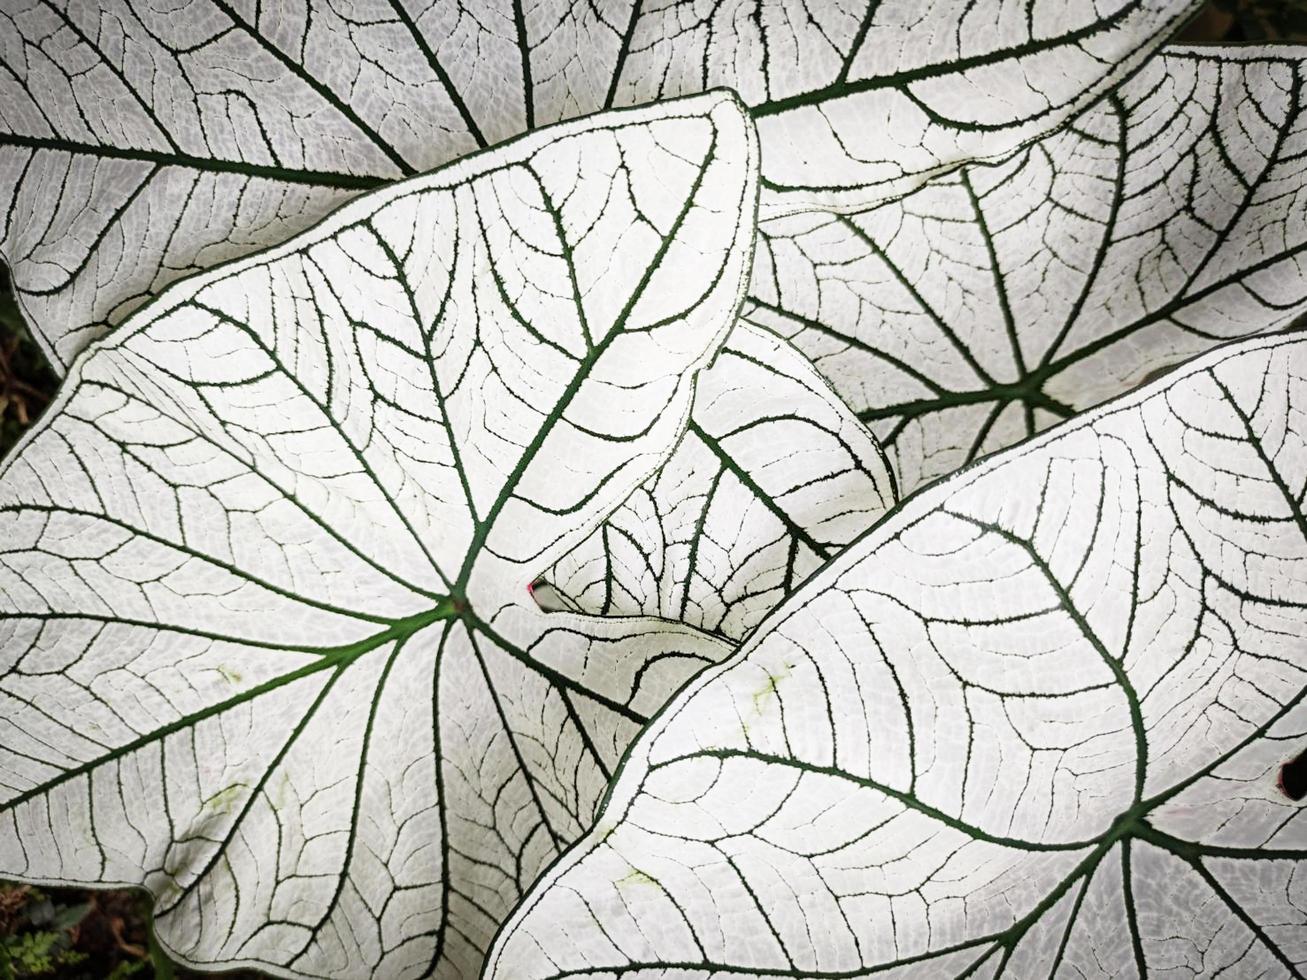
[[483, 528]]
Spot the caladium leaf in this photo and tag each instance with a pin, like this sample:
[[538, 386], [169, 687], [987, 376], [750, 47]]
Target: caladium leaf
[[1031, 724], [773, 476], [139, 142], [928, 87], [998, 300], [268, 643]]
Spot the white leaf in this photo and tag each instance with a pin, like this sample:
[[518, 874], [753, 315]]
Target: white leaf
[[142, 142], [773, 477], [930, 86], [998, 300], [268, 647], [1030, 725]]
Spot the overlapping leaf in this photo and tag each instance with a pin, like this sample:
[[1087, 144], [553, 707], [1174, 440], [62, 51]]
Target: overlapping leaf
[[1031, 725], [268, 647], [773, 476], [139, 142], [1001, 299]]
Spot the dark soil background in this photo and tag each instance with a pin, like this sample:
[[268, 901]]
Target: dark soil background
[[76, 934], [26, 381]]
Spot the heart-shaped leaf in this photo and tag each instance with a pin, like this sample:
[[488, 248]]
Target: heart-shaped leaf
[[1033, 724], [774, 475], [268, 644], [999, 300], [139, 141]]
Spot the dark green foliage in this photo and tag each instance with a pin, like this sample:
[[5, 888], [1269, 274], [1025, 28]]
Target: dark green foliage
[[26, 382], [1265, 20]]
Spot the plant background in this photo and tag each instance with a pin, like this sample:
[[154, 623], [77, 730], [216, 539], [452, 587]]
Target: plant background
[[76, 934]]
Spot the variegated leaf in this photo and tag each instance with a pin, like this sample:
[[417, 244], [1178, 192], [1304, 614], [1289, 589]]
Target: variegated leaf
[[1036, 723], [998, 300], [268, 646], [141, 140]]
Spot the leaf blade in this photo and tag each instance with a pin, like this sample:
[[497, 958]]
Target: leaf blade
[[1053, 767], [268, 648], [1061, 277]]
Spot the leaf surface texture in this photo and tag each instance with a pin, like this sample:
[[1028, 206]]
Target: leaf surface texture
[[268, 644], [1031, 724]]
